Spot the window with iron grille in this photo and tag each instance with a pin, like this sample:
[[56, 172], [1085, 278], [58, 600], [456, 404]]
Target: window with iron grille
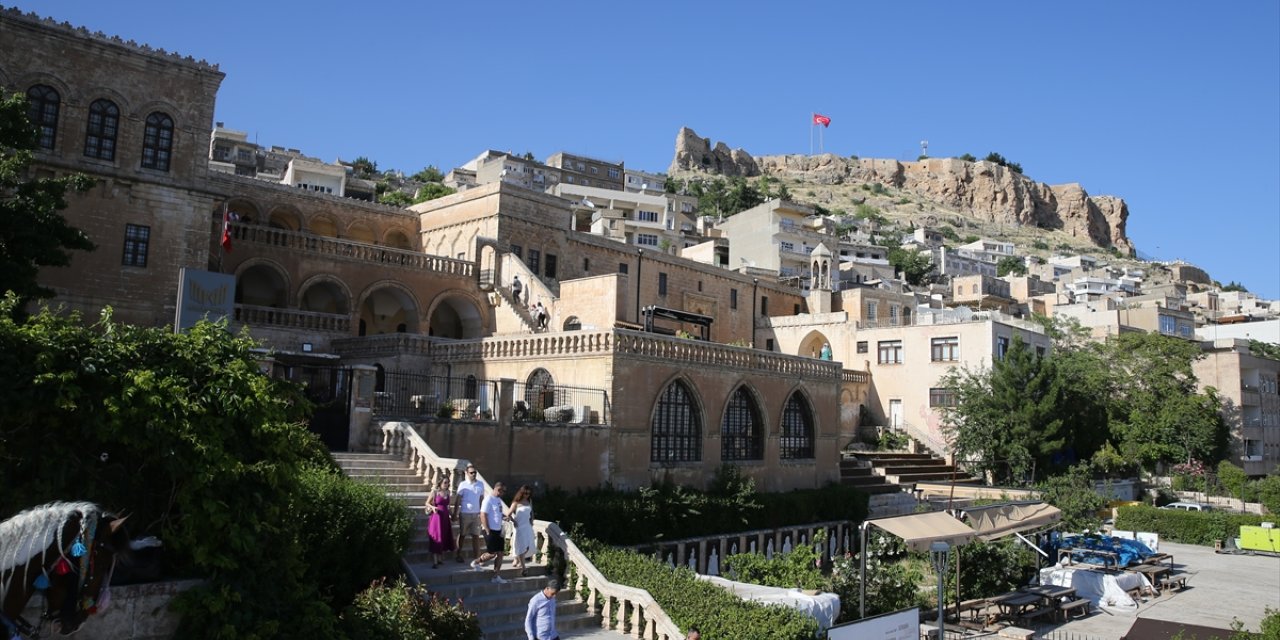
[[944, 349], [662, 284], [733, 298], [549, 269], [137, 239], [797, 429], [535, 259], [517, 251], [157, 141], [677, 426], [942, 397], [742, 429], [42, 109], [100, 132], [862, 346]]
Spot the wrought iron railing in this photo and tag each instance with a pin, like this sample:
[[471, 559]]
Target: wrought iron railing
[[413, 396], [556, 403]]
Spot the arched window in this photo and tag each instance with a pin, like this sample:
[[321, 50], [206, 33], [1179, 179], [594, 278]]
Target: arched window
[[540, 390], [741, 430], [797, 429], [100, 132], [677, 426], [43, 102], [157, 141]]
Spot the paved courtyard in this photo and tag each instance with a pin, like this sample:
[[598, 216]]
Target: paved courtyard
[[1219, 588]]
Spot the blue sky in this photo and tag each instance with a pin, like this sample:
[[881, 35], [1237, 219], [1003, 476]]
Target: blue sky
[[1173, 106]]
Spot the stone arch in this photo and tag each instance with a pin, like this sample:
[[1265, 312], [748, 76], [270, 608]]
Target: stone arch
[[811, 345], [324, 294], [323, 225], [262, 283], [65, 92], [168, 108], [488, 266], [540, 389], [285, 217], [572, 323], [676, 423], [742, 425], [246, 210], [397, 239], [797, 427], [454, 314], [360, 231], [387, 307], [109, 93]]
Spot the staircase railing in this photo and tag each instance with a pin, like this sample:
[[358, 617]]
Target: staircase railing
[[624, 609], [927, 438]]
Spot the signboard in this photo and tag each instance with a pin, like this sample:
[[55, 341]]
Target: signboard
[[203, 294], [899, 625]]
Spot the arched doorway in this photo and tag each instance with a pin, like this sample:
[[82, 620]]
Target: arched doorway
[[262, 285], [324, 296], [388, 309], [811, 346], [675, 432], [796, 440], [742, 428], [456, 316]]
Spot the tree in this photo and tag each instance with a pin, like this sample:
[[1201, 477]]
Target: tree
[[1234, 286], [1157, 413], [1007, 421], [914, 267], [183, 431], [33, 234], [364, 168], [783, 192], [431, 191], [395, 198], [429, 174], [968, 157], [1000, 160], [1073, 492], [1011, 264]]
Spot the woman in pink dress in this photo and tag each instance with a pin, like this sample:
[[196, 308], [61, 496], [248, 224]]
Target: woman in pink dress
[[439, 530]]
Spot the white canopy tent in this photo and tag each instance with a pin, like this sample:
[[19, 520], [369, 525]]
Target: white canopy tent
[[990, 522]]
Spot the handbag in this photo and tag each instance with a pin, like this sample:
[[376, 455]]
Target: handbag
[[508, 529]]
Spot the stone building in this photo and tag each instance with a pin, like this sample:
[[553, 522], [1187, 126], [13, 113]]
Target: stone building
[[1249, 386], [327, 282]]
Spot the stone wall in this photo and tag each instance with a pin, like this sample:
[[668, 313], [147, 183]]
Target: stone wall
[[138, 611]]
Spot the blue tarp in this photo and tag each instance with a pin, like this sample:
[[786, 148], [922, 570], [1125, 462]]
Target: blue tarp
[[1128, 552]]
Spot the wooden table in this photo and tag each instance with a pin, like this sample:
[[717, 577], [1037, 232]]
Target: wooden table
[[1049, 591], [1153, 572], [1110, 559], [1014, 602]]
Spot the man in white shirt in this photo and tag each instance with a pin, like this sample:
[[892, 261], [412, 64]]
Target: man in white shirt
[[540, 619], [470, 493], [492, 512]]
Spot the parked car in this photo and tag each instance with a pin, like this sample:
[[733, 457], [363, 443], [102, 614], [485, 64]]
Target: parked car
[[1188, 506]]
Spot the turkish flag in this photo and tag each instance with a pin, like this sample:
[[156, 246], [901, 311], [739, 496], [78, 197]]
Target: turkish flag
[[822, 120], [226, 229]]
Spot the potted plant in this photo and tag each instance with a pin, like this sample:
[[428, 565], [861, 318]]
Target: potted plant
[[445, 412]]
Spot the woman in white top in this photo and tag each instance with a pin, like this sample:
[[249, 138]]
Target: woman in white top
[[521, 513]]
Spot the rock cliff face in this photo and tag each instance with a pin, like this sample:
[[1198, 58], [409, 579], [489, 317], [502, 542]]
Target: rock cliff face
[[985, 189], [696, 154]]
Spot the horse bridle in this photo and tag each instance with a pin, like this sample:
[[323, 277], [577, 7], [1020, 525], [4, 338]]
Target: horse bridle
[[73, 604]]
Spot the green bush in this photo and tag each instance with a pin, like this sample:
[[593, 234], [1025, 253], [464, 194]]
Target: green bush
[[891, 585], [1188, 527], [1041, 245], [669, 512], [991, 568], [1268, 491], [351, 533], [795, 569], [692, 602], [402, 612]]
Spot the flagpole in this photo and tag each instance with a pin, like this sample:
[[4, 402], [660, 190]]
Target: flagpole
[[811, 134]]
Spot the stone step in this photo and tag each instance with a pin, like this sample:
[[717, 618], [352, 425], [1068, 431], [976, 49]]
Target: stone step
[[863, 481], [515, 630], [889, 456], [855, 472], [899, 467], [908, 478], [362, 470]]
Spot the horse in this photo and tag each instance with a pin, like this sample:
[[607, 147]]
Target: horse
[[66, 549]]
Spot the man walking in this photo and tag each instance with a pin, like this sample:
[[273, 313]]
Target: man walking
[[492, 511], [470, 492], [540, 619], [516, 286]]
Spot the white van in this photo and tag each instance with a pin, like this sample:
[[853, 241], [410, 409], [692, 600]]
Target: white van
[[1188, 506]]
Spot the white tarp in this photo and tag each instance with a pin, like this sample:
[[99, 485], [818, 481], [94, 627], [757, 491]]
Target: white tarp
[[823, 607], [1105, 590]]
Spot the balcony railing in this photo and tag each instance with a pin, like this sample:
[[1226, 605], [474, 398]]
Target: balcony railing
[[349, 250], [390, 344], [412, 396], [561, 404], [292, 319]]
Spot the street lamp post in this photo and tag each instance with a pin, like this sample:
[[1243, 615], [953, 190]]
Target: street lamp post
[[938, 552], [755, 283]]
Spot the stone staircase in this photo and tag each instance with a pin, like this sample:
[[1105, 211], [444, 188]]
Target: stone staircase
[[902, 469], [529, 324], [500, 607]]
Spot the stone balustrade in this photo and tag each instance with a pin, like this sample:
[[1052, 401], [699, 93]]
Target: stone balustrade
[[347, 249], [638, 343], [854, 376], [292, 318], [514, 347], [637, 613], [389, 344], [705, 555], [627, 610]]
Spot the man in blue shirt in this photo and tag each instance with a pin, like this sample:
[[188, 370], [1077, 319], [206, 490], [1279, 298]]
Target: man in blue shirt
[[540, 620]]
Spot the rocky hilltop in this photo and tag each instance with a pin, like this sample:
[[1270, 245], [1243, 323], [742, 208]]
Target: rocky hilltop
[[984, 190]]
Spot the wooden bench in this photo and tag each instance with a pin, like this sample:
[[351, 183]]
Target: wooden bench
[[1178, 582], [1028, 617], [1081, 607]]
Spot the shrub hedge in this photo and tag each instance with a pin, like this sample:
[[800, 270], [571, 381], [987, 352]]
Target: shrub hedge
[[692, 602], [672, 513], [401, 612], [1189, 527]]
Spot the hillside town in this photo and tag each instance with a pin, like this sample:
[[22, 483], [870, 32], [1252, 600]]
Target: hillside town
[[574, 323]]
